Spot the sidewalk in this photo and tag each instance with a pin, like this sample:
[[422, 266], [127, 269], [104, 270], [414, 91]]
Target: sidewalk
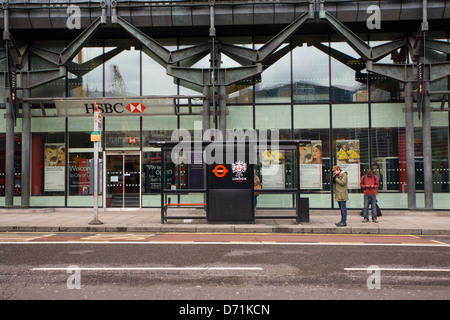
[[149, 220]]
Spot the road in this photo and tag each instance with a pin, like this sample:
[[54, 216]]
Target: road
[[242, 267]]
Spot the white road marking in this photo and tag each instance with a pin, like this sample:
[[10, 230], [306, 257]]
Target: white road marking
[[401, 269], [152, 269]]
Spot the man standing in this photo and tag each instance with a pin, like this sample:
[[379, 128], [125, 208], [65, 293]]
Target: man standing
[[369, 183], [340, 180]]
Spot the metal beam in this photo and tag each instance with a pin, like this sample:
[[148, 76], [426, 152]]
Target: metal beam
[[34, 79], [360, 46], [351, 62], [438, 45], [87, 66], [400, 72], [188, 53], [225, 76], [273, 44], [51, 56], [72, 49], [160, 54], [384, 49], [242, 55], [438, 70]]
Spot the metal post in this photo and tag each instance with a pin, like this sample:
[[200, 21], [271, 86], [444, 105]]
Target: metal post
[[410, 162], [26, 150], [213, 62], [9, 161], [427, 155], [424, 15], [97, 122], [163, 180], [222, 110], [206, 107]]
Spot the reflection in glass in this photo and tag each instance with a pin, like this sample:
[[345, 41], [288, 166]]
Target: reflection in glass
[[275, 85], [348, 75], [310, 74], [158, 128], [122, 74], [86, 79], [155, 80], [122, 132]]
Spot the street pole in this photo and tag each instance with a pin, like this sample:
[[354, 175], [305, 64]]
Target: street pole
[[95, 138], [410, 160]]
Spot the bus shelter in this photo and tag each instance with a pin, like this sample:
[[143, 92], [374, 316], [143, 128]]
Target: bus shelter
[[215, 179]]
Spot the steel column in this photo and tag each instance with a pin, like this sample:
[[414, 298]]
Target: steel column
[[9, 161], [206, 108], [222, 110], [26, 150], [427, 155], [410, 162]]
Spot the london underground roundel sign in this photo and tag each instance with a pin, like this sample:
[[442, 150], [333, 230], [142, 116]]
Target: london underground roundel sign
[[220, 171]]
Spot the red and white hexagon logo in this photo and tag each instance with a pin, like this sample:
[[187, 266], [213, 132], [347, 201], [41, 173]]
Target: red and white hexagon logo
[[136, 107]]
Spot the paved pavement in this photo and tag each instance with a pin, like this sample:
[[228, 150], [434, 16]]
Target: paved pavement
[[149, 220]]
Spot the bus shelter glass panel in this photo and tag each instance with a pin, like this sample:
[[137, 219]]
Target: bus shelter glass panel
[[277, 170]]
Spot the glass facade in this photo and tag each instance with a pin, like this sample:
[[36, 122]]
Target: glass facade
[[352, 117]]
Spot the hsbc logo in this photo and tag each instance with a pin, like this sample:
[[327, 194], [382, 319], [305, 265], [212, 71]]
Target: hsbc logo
[[136, 107], [104, 108], [114, 108]]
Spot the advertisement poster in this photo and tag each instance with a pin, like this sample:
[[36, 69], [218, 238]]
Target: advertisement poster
[[311, 165], [79, 175], [347, 153], [54, 167], [272, 170]]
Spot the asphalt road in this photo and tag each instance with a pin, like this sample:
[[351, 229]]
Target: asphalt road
[[186, 267]]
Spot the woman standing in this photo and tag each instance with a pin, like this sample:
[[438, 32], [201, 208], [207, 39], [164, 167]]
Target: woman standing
[[341, 193]]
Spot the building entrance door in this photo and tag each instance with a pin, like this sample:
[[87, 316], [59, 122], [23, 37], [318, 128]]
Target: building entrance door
[[122, 180]]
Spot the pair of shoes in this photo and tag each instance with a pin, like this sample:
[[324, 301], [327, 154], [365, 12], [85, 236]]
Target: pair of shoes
[[365, 220], [375, 220], [341, 224]]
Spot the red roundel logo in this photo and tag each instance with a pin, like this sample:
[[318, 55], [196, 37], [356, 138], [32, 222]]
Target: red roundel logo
[[220, 171], [136, 107]]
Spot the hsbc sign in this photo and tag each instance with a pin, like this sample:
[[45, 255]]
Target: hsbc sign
[[136, 107], [67, 107], [116, 108], [104, 108]]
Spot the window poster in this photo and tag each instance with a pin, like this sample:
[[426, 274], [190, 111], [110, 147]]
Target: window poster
[[79, 175], [272, 169], [311, 165], [54, 167], [347, 153]]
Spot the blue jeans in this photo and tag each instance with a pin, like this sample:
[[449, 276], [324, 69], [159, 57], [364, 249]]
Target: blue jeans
[[343, 207], [372, 200]]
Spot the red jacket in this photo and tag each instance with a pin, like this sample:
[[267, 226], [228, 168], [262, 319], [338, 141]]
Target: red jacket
[[369, 184]]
